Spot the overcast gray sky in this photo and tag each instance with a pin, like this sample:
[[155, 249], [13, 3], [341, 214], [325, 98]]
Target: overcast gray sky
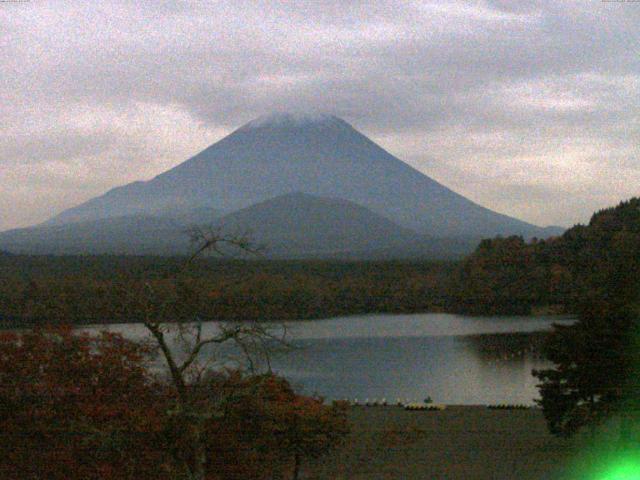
[[529, 108]]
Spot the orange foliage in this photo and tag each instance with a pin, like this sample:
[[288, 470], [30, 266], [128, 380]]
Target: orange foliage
[[267, 428], [81, 407], [76, 407]]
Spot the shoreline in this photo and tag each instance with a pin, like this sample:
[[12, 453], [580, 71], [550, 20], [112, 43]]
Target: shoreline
[[10, 322]]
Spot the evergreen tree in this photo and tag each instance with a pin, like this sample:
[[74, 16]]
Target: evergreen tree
[[597, 359]]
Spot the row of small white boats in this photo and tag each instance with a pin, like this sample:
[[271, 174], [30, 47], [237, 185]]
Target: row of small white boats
[[406, 404], [427, 406]]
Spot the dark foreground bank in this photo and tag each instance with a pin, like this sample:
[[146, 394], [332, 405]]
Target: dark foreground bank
[[463, 443]]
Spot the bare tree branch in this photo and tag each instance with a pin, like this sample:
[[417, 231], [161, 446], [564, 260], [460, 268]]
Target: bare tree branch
[[249, 338], [213, 239]]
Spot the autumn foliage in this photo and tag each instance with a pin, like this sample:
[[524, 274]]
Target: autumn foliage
[[91, 290], [268, 430], [75, 406]]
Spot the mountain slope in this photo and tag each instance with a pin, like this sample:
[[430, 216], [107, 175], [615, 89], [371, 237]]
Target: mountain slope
[[132, 235], [320, 155], [302, 225], [288, 226]]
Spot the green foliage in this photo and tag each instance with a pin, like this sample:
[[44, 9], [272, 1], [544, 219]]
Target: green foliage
[[496, 278], [597, 360], [510, 276], [591, 271]]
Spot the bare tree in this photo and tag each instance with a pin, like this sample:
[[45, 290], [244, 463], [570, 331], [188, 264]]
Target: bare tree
[[188, 364], [214, 240]]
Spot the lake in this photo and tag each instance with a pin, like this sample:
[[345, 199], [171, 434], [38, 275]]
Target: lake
[[408, 357]]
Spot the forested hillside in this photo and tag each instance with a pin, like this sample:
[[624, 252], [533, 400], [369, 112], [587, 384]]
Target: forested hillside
[[503, 276], [509, 275], [109, 288]]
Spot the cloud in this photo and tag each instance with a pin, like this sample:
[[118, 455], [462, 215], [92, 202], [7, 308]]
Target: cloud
[[530, 109]]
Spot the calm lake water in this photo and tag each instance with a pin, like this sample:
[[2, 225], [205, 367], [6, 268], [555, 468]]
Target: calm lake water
[[403, 356]]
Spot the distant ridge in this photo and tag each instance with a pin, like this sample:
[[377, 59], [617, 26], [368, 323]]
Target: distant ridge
[[293, 225], [276, 155], [303, 225], [127, 235]]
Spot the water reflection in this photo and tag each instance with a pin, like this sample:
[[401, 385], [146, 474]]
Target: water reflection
[[448, 369], [452, 359]]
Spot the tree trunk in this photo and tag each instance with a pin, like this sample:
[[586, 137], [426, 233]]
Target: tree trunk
[[200, 457], [296, 466]]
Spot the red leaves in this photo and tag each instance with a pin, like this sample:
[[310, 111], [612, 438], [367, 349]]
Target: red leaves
[[78, 407], [70, 404], [268, 425]]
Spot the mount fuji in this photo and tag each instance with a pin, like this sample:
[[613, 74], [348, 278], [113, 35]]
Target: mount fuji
[[313, 161]]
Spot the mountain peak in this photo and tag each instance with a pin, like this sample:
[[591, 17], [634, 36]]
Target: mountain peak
[[311, 152], [293, 119]]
